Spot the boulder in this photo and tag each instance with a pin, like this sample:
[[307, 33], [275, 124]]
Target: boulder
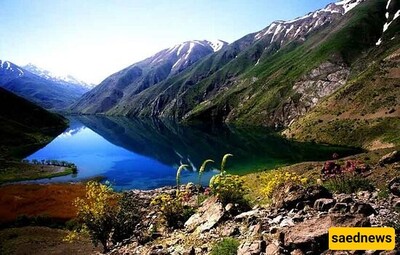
[[362, 208], [247, 215], [207, 216], [344, 198], [294, 196], [390, 158], [252, 247], [272, 249], [394, 186], [340, 208], [312, 234], [324, 204]]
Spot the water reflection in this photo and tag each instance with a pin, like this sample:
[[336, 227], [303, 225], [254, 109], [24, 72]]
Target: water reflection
[[137, 153]]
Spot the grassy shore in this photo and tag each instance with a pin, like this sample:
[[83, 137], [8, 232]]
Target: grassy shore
[[13, 171]]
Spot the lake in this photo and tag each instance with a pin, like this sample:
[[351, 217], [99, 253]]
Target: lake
[[144, 154]]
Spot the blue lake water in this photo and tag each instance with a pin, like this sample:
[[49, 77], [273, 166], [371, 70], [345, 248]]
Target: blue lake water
[[145, 154]]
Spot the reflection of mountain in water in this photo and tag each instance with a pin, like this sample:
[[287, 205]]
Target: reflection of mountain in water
[[171, 143]]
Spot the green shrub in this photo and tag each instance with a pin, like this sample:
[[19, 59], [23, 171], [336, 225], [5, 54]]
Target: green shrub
[[228, 246], [348, 184], [126, 219], [173, 208], [229, 188]]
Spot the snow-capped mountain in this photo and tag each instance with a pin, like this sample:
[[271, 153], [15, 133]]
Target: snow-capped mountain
[[185, 54], [68, 79], [9, 71], [37, 87], [144, 74], [282, 32]]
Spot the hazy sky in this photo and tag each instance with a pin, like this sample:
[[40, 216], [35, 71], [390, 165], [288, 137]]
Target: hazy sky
[[91, 39]]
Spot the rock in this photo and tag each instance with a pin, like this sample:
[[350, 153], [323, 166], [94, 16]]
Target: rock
[[272, 249], [286, 223], [394, 252], [364, 195], [315, 192], [191, 251], [294, 196], [339, 208], [362, 208], [344, 198], [297, 252], [396, 203], [230, 231], [312, 234], [276, 220], [290, 197], [384, 211], [324, 204], [390, 158], [247, 215], [207, 216], [252, 248], [394, 186], [229, 207]]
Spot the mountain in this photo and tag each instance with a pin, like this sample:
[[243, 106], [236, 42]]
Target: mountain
[[123, 85], [25, 126], [278, 76], [48, 92], [67, 80]]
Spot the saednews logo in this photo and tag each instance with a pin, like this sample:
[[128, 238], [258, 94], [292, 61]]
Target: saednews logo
[[361, 238]]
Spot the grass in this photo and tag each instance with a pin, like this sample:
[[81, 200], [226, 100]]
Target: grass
[[12, 171], [311, 171], [41, 241], [228, 246]]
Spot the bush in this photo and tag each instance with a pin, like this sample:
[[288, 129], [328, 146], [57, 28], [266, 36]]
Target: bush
[[174, 208], [348, 184], [229, 188], [128, 216], [228, 246], [97, 212], [348, 178], [276, 179]]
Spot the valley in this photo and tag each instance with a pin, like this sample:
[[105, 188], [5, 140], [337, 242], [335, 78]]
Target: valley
[[254, 146]]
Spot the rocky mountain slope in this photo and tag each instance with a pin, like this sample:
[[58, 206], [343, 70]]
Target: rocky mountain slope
[[24, 125], [48, 92], [279, 74], [118, 89]]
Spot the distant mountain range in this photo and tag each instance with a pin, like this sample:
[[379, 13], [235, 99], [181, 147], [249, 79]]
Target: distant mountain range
[[164, 85], [330, 70], [68, 80], [274, 77], [40, 87], [116, 91]]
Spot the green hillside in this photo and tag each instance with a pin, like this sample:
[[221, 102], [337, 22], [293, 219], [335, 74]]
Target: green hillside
[[25, 126]]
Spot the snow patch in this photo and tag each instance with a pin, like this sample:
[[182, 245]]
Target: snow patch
[[348, 5], [216, 45], [191, 45], [180, 49]]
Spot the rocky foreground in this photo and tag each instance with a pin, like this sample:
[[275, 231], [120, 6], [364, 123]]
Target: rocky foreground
[[296, 222]]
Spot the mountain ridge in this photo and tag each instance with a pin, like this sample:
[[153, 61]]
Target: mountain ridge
[[46, 92]]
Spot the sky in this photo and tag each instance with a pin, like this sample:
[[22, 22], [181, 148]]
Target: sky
[[91, 39]]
